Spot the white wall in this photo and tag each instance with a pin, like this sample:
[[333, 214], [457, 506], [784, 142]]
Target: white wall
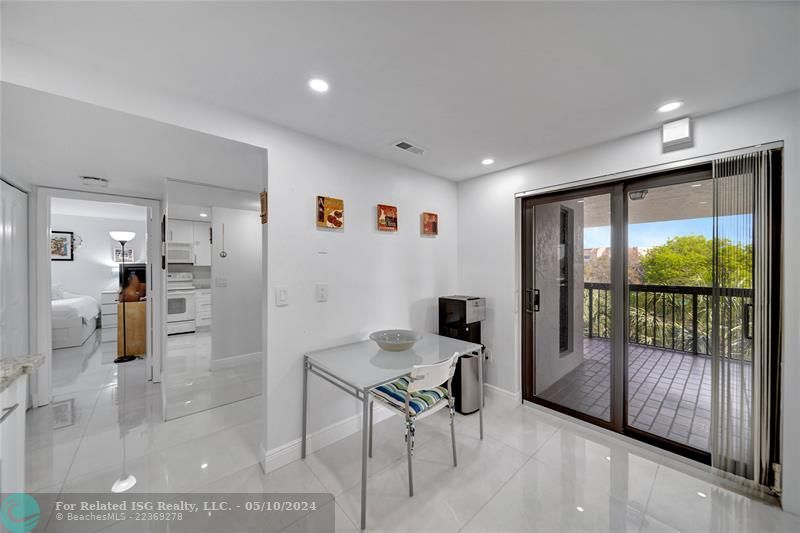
[[487, 234], [236, 283], [93, 270]]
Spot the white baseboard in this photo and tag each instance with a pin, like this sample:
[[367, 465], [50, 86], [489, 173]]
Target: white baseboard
[[234, 360], [503, 396], [291, 451]]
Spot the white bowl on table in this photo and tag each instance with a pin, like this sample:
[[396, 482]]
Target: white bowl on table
[[395, 340]]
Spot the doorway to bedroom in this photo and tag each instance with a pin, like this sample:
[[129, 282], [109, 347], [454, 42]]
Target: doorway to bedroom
[[100, 302]]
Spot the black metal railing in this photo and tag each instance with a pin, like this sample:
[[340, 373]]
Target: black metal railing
[[674, 318]]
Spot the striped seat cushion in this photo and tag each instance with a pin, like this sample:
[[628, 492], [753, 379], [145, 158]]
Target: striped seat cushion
[[395, 393]]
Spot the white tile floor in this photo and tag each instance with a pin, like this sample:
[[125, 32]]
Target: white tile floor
[[534, 471], [192, 387]]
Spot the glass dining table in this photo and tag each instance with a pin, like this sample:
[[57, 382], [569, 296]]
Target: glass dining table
[[359, 367]]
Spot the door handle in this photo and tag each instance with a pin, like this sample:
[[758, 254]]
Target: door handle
[[533, 301], [7, 412]]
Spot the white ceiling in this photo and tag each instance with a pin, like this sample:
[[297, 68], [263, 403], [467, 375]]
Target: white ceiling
[[513, 81], [88, 208]]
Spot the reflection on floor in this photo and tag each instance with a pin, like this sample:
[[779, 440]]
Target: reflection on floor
[[533, 471], [669, 392], [191, 385]]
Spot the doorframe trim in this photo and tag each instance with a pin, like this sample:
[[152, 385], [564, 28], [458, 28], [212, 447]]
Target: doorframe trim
[[42, 270]]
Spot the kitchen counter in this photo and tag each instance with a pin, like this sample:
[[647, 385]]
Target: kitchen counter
[[12, 368]]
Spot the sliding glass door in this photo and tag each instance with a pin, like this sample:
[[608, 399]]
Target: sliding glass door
[[651, 306], [569, 301]]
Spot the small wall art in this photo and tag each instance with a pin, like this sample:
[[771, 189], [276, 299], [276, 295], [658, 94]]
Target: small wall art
[[387, 217], [61, 246], [430, 224], [118, 254], [330, 212]]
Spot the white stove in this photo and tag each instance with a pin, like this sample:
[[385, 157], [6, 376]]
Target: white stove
[[180, 303]]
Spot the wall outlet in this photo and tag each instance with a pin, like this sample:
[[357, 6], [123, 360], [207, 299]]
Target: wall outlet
[[322, 292], [281, 296]]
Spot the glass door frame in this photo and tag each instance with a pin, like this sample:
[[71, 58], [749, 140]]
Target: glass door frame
[[529, 203], [618, 191], [674, 177]]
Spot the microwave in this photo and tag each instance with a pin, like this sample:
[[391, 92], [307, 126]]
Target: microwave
[[180, 252]]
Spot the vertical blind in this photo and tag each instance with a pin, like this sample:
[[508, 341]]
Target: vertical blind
[[741, 366]]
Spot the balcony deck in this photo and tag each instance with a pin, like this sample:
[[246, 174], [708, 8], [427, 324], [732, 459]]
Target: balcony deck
[[669, 392]]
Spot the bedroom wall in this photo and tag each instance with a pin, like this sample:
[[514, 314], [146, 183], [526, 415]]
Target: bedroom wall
[[93, 270]]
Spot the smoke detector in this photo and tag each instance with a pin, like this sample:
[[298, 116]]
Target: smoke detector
[[91, 181], [406, 146]]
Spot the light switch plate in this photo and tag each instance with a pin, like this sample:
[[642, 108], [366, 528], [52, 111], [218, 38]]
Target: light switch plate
[[322, 292], [281, 296], [220, 282]]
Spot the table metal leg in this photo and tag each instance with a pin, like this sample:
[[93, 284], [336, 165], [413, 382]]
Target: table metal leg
[[305, 406], [364, 445], [371, 425], [480, 381]]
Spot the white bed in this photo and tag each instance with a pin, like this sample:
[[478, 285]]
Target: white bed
[[73, 318]]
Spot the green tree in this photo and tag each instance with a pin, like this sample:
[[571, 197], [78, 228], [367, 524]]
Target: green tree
[[685, 261], [688, 261]]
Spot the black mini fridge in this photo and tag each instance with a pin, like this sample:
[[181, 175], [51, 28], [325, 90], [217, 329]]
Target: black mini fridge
[[460, 318]]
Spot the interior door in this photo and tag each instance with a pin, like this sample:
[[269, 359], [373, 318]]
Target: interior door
[[13, 272], [13, 332], [569, 303]]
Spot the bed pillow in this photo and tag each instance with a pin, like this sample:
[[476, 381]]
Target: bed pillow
[[57, 292]]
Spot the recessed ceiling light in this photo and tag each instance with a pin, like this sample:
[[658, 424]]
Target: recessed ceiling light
[[319, 85], [488, 161], [204, 466], [697, 184], [703, 203], [701, 494], [579, 509], [669, 106], [204, 215]]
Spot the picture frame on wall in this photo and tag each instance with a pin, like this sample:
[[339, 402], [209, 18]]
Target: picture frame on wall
[[429, 223], [118, 254], [330, 213], [62, 246], [387, 217]]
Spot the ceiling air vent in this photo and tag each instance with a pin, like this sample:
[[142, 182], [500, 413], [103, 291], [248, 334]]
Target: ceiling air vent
[[408, 147]]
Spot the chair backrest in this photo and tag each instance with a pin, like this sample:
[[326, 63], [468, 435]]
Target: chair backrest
[[430, 376]]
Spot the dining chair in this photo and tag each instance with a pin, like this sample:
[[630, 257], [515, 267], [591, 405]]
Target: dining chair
[[418, 396]]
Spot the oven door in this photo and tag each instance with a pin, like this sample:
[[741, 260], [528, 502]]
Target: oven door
[[180, 305]]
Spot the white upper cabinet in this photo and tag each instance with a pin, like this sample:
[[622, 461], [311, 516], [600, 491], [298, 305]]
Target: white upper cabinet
[[180, 231], [202, 243]]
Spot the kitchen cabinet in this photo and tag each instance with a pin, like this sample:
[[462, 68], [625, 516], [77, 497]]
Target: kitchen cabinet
[[180, 231], [201, 239], [12, 435]]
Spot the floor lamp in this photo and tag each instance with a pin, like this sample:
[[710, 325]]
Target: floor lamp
[[123, 237], [126, 481]]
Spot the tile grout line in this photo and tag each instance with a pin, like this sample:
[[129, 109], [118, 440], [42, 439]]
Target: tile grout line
[[650, 496], [531, 457]]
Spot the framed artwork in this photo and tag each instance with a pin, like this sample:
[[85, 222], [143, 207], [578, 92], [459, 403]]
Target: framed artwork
[[330, 212], [118, 254], [430, 224], [62, 246], [387, 217]]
